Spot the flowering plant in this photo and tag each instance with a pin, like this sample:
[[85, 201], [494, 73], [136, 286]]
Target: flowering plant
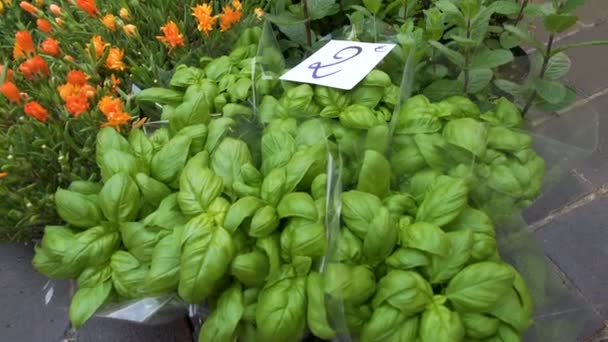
[[68, 68]]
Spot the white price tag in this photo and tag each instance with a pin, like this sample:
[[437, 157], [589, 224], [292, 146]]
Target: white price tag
[[339, 64]]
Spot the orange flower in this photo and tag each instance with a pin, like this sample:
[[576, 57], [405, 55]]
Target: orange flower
[[108, 105], [35, 110], [24, 45], [34, 66], [112, 109], [203, 14], [77, 104], [69, 58], [9, 73], [87, 91], [87, 6], [99, 45], [50, 46], [124, 13], [44, 25], [114, 60], [230, 17], [77, 78], [115, 83], [130, 30], [10, 91], [3, 175], [28, 7], [55, 9], [109, 21], [66, 90], [171, 36], [59, 22]]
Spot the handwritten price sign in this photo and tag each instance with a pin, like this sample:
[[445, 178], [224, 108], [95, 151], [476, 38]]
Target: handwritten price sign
[[339, 64]]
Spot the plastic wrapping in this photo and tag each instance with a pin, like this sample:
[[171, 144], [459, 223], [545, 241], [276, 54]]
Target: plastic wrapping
[[560, 314]]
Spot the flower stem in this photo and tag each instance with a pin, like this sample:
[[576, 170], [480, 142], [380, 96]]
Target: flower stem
[[543, 70]]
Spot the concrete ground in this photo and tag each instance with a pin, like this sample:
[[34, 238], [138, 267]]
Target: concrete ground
[[570, 222]]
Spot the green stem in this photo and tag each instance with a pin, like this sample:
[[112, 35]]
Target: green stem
[[307, 23], [543, 70], [467, 58], [520, 15]]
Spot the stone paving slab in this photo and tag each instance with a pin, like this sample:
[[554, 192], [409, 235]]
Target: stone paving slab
[[577, 242]]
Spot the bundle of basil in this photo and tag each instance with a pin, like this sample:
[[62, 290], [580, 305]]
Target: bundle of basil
[[228, 205]]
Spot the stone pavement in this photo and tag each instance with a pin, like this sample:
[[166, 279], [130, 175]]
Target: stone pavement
[[570, 222]]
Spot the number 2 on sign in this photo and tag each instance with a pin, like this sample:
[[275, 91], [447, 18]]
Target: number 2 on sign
[[355, 51]]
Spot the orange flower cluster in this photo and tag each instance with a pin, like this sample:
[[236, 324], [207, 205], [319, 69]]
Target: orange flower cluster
[[76, 93], [33, 67], [44, 25], [50, 46], [206, 20], [24, 45], [99, 45], [171, 37], [109, 21], [7, 87], [35, 110], [231, 16], [204, 17], [112, 109], [88, 6], [28, 7]]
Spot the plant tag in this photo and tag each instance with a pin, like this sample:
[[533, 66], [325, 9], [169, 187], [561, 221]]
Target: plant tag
[[339, 64]]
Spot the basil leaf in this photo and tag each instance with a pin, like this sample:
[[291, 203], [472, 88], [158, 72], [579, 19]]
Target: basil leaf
[[206, 256], [426, 237], [384, 322], [198, 187], [222, 323], [141, 145], [119, 199], [251, 269], [139, 240], [479, 326], [168, 162], [152, 191], [443, 268], [298, 204], [407, 258], [227, 160], [406, 291], [277, 149], [316, 312], [443, 202], [354, 284], [86, 301], [163, 276], [243, 208], [381, 237], [94, 246], [479, 286], [77, 209], [302, 237], [358, 210], [438, 323], [375, 174], [467, 133], [128, 275]]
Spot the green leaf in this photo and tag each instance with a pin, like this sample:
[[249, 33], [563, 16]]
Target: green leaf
[[443, 202], [358, 116], [298, 204], [508, 40], [77, 209], [354, 284], [322, 8], [474, 220], [222, 323], [425, 237], [198, 134], [316, 311], [454, 56], [375, 174], [185, 76], [491, 59], [467, 133], [441, 89], [302, 237], [381, 238], [569, 99], [161, 96], [163, 276], [109, 139], [385, 322], [479, 326], [403, 290], [513, 89], [285, 19], [119, 199], [525, 36], [515, 307], [152, 191], [139, 240], [115, 161], [141, 145], [251, 268], [277, 149], [557, 67], [217, 129], [227, 160], [205, 258], [169, 161], [240, 210], [128, 275], [373, 5], [558, 23], [86, 301], [407, 258], [550, 91], [438, 323], [571, 5], [198, 187], [478, 79], [281, 308], [577, 45], [443, 268], [479, 286], [505, 7], [358, 210]]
